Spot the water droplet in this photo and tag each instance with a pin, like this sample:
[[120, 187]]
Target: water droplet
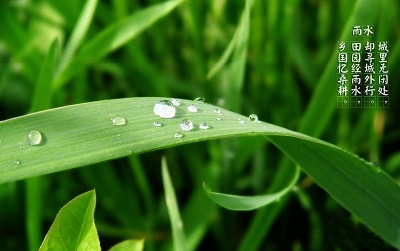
[[200, 100], [34, 138], [219, 118], [178, 135], [164, 109], [204, 125], [192, 108], [241, 121], [118, 121], [176, 102], [17, 162], [216, 110], [157, 124], [186, 125], [253, 118]]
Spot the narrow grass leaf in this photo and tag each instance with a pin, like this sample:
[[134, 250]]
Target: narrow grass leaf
[[92, 132], [79, 32], [245, 203], [42, 95], [115, 36], [178, 234], [128, 245], [73, 228]]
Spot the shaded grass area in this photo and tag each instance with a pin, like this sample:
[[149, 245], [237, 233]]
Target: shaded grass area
[[282, 67]]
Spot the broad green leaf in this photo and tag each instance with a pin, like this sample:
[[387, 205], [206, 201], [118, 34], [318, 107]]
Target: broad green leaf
[[73, 228], [115, 36], [83, 134], [129, 245], [244, 203], [178, 233]]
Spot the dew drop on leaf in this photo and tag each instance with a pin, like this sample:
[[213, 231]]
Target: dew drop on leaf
[[241, 121], [34, 137], [204, 125], [200, 100], [176, 102], [186, 125], [253, 118], [157, 124], [192, 108], [17, 162], [216, 110], [219, 118], [164, 109], [178, 135], [118, 121]]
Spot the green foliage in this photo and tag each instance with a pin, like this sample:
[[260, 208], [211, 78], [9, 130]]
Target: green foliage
[[243, 203], [73, 228], [273, 58]]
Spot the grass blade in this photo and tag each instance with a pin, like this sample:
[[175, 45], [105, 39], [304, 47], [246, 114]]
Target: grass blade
[[115, 36], [83, 134], [244, 203], [178, 233], [81, 27]]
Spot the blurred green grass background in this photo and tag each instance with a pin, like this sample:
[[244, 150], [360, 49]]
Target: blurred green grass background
[[285, 72]]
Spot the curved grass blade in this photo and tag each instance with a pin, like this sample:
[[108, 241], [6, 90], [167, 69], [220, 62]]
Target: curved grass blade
[[244, 203], [73, 228], [178, 234], [83, 134], [114, 37]]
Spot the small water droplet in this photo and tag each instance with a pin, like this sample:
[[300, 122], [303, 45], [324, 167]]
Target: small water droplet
[[118, 121], [192, 108], [157, 124], [241, 121], [253, 118], [176, 102], [17, 162], [200, 100], [216, 110], [219, 118], [34, 138], [164, 109], [178, 135], [186, 125], [204, 125]]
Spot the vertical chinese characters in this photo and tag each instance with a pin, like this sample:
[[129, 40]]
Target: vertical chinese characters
[[342, 75]]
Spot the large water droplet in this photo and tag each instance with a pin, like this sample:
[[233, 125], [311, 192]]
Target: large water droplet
[[164, 109], [192, 108], [176, 102], [217, 110], [118, 121], [204, 125], [200, 100], [178, 135], [34, 138], [186, 125], [157, 124], [17, 162], [253, 118]]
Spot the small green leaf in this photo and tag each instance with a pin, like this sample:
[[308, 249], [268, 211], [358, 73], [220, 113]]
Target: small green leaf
[[129, 245], [73, 228], [178, 233], [244, 203]]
